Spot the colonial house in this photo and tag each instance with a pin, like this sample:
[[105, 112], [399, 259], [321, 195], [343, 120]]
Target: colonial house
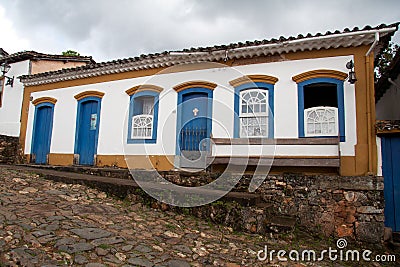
[[301, 108], [12, 90], [387, 98], [305, 101]]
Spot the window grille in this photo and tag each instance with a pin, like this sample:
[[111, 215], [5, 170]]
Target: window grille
[[254, 113], [142, 126], [321, 121]]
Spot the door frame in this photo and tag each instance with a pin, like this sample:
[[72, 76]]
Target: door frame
[[209, 94], [37, 107], [78, 123]]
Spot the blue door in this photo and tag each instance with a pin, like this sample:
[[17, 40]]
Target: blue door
[[194, 121], [87, 127], [195, 127], [391, 174], [42, 129]]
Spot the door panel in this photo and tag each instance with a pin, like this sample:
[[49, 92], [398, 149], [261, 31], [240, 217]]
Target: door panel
[[87, 133], [391, 173], [194, 131], [42, 134]]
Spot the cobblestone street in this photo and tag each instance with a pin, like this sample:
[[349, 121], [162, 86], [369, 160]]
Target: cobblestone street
[[45, 223]]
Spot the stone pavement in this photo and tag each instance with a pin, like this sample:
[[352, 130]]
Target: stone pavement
[[47, 223]]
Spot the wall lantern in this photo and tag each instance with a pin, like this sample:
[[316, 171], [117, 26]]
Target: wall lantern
[[4, 68], [352, 75]]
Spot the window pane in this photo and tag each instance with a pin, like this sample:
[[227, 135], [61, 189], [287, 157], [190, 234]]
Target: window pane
[[244, 109], [256, 101], [321, 121], [253, 93], [250, 109], [253, 126], [263, 108]]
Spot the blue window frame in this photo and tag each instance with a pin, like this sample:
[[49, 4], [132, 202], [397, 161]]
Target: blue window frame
[[143, 117], [268, 113], [340, 104]]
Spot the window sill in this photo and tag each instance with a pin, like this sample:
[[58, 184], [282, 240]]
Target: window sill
[[342, 138], [141, 141]]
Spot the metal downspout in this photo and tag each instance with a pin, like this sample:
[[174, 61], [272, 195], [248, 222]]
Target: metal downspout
[[369, 90]]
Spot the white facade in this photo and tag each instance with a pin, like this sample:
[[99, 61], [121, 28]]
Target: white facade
[[10, 111], [115, 104]]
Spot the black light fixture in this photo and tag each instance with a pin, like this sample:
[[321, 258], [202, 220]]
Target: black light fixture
[[4, 68], [352, 75]]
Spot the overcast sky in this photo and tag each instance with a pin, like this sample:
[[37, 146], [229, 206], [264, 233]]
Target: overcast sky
[[111, 29]]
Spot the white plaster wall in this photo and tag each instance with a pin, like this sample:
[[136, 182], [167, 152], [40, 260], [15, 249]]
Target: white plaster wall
[[10, 111], [388, 107], [115, 103]]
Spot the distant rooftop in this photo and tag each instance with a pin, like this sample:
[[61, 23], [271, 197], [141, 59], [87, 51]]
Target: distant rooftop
[[24, 55]]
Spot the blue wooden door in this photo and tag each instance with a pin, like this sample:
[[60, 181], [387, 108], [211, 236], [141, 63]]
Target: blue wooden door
[[194, 122], [391, 174], [88, 132], [42, 134]]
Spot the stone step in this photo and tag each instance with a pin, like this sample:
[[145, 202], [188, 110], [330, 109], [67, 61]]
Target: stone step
[[115, 186], [279, 223], [264, 205], [251, 214], [120, 173], [245, 199], [56, 173]]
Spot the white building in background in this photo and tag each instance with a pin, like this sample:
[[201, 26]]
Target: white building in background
[[25, 63]]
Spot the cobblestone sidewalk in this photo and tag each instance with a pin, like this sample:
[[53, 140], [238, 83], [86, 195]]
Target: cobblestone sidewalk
[[44, 223]]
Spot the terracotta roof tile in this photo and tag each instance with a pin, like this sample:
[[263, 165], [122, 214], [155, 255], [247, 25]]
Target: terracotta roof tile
[[133, 62]]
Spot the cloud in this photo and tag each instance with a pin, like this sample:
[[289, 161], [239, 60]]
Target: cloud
[[10, 37], [123, 28]]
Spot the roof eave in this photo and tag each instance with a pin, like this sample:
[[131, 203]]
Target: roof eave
[[347, 39]]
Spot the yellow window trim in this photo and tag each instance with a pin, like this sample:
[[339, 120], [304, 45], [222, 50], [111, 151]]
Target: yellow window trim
[[41, 100], [322, 73], [191, 84], [143, 87], [89, 93], [256, 78]]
